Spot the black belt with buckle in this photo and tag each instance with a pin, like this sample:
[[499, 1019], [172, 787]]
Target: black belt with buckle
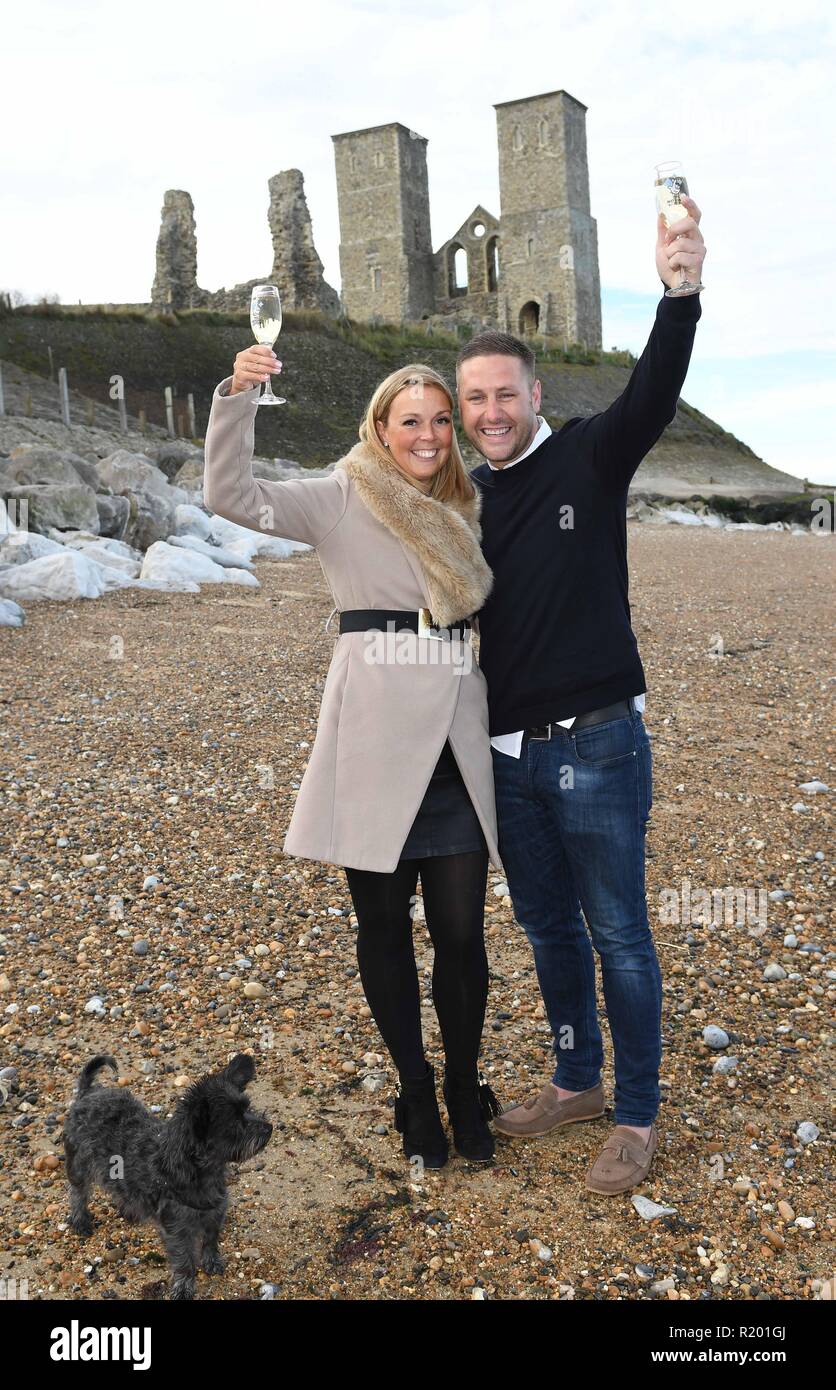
[[620, 710], [404, 620]]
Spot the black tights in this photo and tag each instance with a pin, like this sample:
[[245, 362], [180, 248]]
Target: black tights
[[454, 905]]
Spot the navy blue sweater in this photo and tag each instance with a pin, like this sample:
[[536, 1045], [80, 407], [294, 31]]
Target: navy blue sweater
[[555, 634]]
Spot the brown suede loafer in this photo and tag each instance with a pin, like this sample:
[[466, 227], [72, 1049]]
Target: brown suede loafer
[[623, 1162], [546, 1111]]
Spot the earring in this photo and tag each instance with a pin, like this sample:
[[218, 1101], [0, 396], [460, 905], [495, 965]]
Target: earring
[[386, 444]]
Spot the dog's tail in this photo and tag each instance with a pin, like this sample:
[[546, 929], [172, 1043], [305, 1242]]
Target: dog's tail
[[95, 1065]]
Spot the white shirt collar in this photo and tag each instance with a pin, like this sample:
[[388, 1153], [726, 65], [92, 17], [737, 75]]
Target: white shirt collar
[[543, 433]]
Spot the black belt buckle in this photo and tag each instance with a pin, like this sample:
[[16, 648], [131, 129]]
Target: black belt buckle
[[533, 732]]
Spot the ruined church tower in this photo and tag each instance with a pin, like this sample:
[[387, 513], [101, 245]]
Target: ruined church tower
[[386, 259], [548, 244]]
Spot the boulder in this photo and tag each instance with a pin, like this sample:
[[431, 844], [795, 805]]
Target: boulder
[[167, 562], [114, 514], [219, 554], [23, 546], [171, 454], [124, 473], [190, 475], [11, 613], [152, 518], [69, 575], [102, 554], [243, 541], [31, 463], [63, 505], [191, 521]]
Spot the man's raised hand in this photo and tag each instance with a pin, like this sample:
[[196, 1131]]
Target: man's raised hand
[[680, 247]]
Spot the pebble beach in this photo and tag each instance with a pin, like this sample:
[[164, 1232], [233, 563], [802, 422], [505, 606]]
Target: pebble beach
[[148, 911]]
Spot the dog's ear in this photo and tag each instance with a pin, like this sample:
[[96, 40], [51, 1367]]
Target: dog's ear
[[240, 1071], [200, 1118]]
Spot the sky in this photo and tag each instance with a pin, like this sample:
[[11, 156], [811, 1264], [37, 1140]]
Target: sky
[[105, 107]]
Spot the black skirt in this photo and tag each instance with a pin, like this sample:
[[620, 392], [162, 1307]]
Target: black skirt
[[446, 822]]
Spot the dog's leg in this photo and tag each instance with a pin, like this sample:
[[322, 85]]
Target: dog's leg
[[181, 1246], [79, 1182], [212, 1261]]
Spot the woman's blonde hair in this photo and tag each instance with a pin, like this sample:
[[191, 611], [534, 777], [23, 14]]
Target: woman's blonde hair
[[451, 482]]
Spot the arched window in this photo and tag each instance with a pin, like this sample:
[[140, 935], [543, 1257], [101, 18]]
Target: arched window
[[529, 317], [517, 138], [492, 254], [460, 263], [543, 131], [456, 270]]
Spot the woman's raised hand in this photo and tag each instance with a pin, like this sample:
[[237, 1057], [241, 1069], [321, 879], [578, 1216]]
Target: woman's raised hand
[[252, 366]]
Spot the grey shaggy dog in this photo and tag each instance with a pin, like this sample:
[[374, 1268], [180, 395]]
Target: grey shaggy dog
[[172, 1173]]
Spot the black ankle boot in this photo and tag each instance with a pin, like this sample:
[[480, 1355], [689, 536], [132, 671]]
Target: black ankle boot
[[418, 1120], [470, 1106]]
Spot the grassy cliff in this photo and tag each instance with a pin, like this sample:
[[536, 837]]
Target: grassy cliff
[[329, 372]]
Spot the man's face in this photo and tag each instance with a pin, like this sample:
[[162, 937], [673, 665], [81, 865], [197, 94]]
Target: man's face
[[498, 406]]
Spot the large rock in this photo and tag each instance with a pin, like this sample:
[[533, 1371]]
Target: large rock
[[191, 521], [168, 562], [121, 560], [114, 514], [23, 546], [241, 540], [228, 558], [124, 472], [30, 463], [11, 613], [190, 474], [82, 540], [66, 506], [152, 518], [70, 575], [172, 454]]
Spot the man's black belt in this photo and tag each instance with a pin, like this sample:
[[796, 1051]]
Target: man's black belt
[[620, 710], [404, 620]]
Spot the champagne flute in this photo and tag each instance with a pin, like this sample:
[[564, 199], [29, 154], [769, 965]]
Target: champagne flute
[[670, 184], [266, 323]]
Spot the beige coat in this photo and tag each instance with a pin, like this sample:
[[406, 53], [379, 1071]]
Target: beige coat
[[382, 723]]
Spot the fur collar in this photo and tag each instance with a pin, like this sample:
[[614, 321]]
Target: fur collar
[[445, 536]]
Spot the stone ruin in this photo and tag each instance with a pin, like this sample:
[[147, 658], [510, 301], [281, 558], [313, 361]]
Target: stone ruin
[[296, 269], [531, 271]]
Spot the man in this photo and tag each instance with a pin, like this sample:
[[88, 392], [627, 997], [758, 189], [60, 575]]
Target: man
[[572, 763]]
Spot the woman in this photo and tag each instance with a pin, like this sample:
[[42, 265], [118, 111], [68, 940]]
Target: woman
[[400, 779]]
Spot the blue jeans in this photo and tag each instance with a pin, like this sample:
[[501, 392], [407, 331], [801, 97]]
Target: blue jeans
[[572, 815]]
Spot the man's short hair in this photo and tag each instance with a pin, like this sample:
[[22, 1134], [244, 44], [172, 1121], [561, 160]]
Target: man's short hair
[[492, 343]]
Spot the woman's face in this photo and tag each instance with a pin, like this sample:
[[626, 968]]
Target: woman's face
[[419, 432]]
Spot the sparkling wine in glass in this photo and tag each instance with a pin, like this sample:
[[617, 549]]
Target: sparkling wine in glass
[[670, 184], [266, 323]]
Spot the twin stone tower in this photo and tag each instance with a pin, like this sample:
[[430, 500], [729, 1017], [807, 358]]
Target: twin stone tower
[[532, 270]]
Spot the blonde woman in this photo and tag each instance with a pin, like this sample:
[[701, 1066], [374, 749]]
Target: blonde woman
[[399, 783]]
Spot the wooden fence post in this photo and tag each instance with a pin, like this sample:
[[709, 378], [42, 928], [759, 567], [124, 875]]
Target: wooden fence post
[[64, 394], [169, 410]]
